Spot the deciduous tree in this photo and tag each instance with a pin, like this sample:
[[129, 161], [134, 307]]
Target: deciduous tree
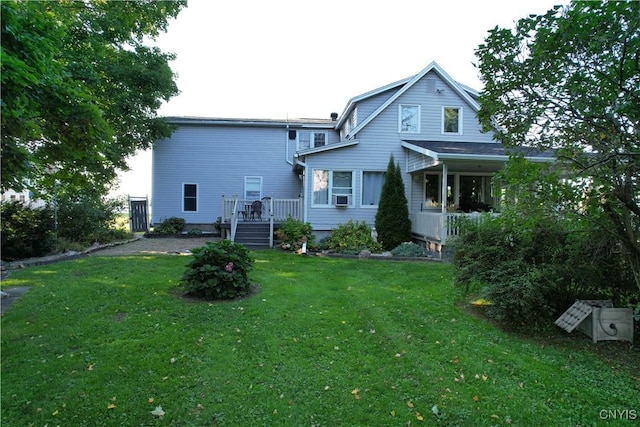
[[569, 80], [81, 87]]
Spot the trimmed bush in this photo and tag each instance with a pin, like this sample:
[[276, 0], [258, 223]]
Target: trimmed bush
[[218, 271], [293, 233], [408, 249], [352, 237]]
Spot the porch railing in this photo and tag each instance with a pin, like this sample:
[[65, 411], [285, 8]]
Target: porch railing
[[273, 210], [439, 227]]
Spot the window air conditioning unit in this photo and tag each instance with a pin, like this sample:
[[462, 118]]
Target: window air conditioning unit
[[341, 199]]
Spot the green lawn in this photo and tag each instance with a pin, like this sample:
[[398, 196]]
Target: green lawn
[[324, 342]]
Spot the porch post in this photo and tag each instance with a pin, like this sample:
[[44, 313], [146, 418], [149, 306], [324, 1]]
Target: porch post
[[443, 195], [443, 204]]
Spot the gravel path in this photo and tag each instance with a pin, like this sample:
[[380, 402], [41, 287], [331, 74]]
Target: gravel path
[[156, 245]]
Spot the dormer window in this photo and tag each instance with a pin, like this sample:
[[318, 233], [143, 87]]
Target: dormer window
[[452, 120], [409, 118]]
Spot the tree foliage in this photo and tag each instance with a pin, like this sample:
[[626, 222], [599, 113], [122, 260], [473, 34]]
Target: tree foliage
[[569, 80], [392, 219], [80, 89]]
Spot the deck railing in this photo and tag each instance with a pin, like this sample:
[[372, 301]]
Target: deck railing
[[273, 210], [438, 227]]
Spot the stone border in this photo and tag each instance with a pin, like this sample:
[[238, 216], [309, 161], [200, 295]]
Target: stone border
[[65, 256]]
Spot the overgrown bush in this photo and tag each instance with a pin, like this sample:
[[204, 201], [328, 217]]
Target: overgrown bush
[[532, 273], [87, 218], [292, 233], [172, 225], [218, 271], [26, 232], [408, 249], [353, 237], [83, 219]]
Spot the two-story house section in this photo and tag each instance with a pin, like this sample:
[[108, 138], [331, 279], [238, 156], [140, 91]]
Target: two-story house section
[[327, 171]]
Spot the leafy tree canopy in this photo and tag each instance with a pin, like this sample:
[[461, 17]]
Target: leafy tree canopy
[[569, 80], [80, 89]]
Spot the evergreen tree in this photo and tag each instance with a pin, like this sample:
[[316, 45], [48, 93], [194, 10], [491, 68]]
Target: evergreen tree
[[392, 219]]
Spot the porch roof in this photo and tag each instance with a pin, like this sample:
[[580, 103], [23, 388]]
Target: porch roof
[[478, 151]]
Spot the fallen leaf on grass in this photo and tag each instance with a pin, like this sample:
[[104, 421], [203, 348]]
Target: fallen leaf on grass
[[476, 398], [111, 405], [150, 400], [419, 417], [355, 392], [435, 410], [158, 412], [410, 404]]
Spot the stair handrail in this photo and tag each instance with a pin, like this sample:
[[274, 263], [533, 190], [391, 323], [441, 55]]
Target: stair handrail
[[234, 220], [271, 222]]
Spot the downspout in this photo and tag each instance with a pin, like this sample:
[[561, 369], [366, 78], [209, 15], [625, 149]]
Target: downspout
[[304, 188], [286, 143]]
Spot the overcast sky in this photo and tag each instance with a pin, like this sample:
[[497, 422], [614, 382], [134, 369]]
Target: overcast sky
[[305, 59]]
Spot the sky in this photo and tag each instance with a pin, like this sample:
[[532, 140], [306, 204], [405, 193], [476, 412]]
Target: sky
[[283, 59]]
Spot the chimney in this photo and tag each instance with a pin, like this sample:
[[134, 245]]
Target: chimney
[[334, 116]]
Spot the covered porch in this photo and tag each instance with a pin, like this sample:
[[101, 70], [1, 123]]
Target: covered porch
[[451, 181]]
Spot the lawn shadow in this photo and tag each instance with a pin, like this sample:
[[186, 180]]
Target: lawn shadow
[[179, 293]]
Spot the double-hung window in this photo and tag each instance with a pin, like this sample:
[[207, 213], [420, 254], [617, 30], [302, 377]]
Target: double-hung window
[[190, 197], [252, 187], [319, 139], [409, 118], [452, 120], [327, 183]]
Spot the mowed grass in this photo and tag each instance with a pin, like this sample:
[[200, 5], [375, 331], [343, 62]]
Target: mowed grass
[[104, 341]]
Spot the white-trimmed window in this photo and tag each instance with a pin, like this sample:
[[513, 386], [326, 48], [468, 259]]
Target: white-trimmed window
[[408, 118], [252, 187], [319, 139], [372, 182], [189, 197], [327, 183], [452, 120]]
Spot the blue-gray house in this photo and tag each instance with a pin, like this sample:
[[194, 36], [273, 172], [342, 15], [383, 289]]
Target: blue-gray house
[[327, 171]]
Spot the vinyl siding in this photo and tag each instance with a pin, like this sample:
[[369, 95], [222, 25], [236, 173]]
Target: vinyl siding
[[380, 138], [217, 159]]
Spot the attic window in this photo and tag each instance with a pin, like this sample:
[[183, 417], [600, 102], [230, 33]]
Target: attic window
[[409, 119]]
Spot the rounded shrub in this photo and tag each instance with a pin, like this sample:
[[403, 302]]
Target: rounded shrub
[[408, 249], [353, 237], [218, 271], [293, 233], [171, 225]]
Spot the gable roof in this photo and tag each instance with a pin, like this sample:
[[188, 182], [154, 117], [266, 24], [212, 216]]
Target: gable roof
[[407, 84]]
